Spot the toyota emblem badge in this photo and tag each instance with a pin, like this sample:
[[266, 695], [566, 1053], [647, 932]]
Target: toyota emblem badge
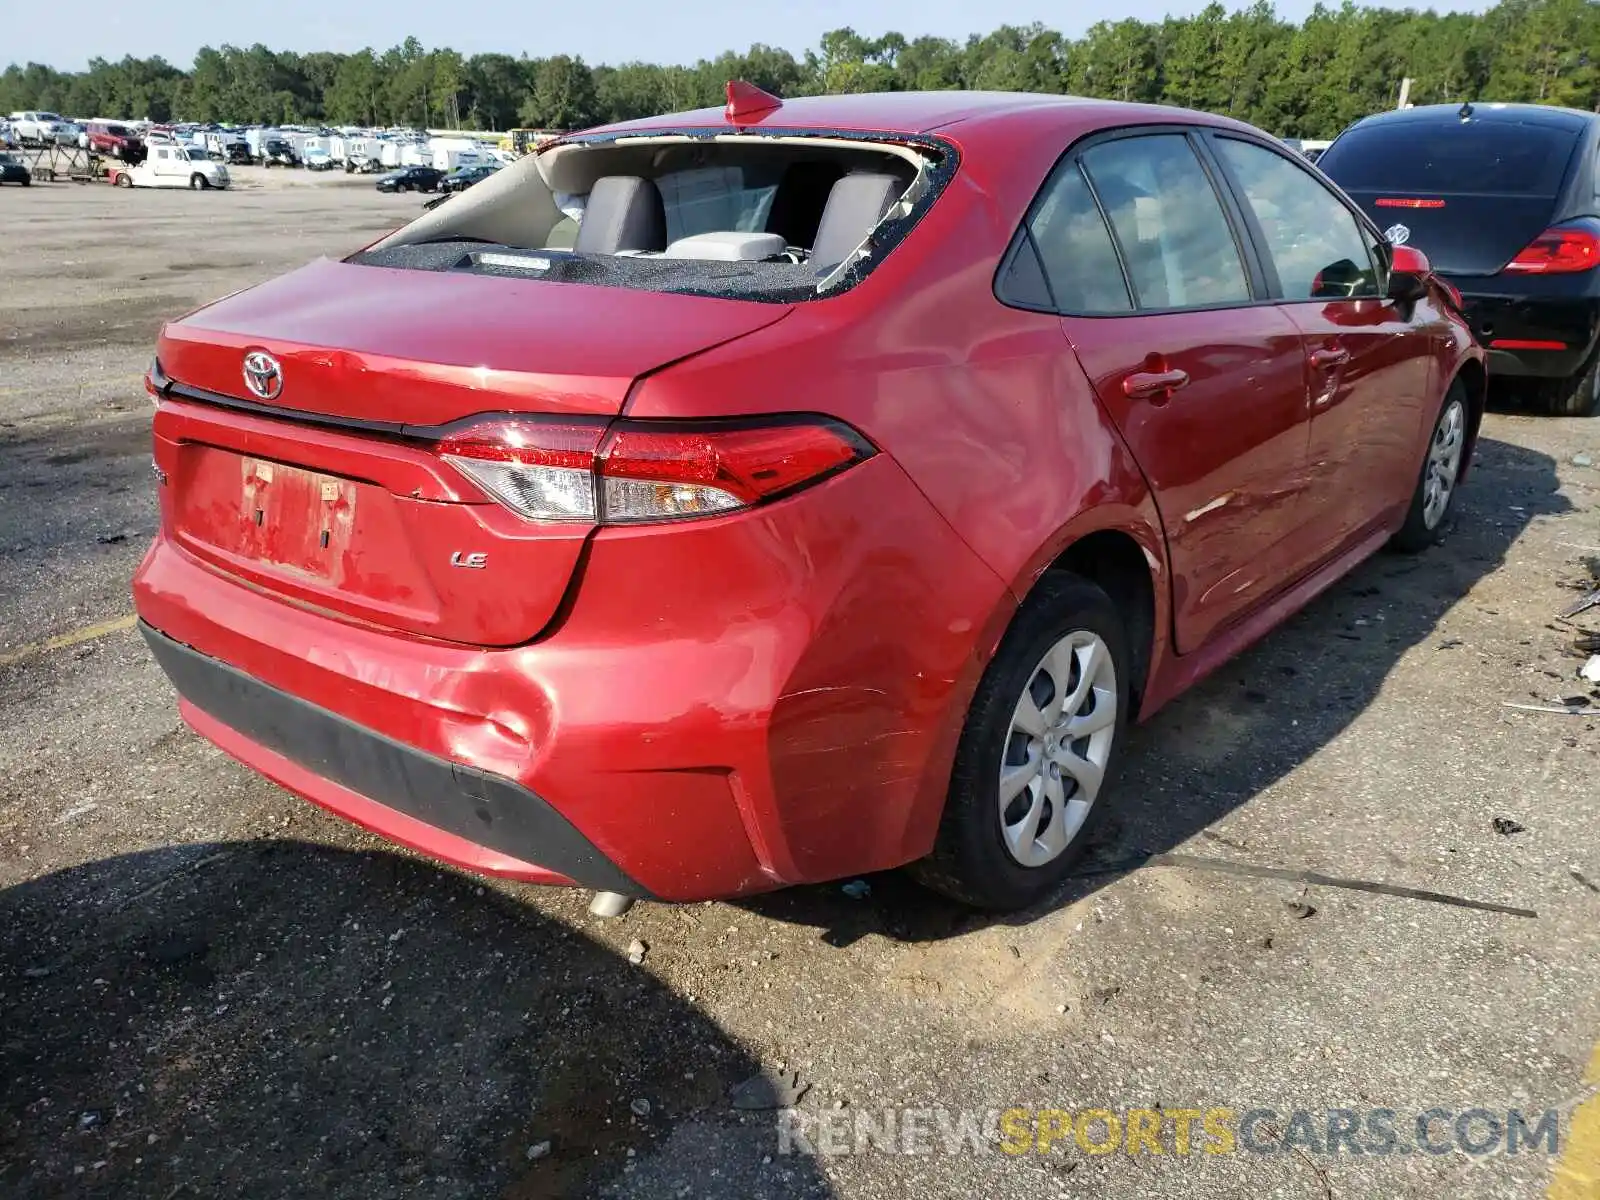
[[262, 375]]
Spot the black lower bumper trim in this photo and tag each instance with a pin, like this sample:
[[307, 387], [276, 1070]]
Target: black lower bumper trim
[[489, 810]]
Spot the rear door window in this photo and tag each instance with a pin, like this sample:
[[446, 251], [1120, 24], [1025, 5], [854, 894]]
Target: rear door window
[[1319, 249], [1075, 247], [1175, 239], [1460, 158]]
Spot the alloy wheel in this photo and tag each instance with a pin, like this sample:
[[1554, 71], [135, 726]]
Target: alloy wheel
[[1057, 748], [1444, 462]]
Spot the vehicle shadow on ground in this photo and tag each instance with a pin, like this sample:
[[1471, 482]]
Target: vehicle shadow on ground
[[274, 1018], [1255, 720]]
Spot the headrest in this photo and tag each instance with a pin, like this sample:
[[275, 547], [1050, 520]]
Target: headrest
[[855, 204], [624, 212]]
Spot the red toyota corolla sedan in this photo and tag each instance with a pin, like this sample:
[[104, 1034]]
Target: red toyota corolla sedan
[[754, 496]]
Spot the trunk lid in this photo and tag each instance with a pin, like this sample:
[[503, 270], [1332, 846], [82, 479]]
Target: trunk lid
[[399, 347], [329, 495], [1461, 235]]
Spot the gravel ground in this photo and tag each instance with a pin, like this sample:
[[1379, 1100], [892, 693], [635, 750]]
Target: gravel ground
[[208, 988]]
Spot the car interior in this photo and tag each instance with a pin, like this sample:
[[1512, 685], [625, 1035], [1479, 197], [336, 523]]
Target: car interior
[[785, 201]]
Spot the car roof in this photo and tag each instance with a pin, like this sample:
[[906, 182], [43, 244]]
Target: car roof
[[910, 112], [1520, 114]]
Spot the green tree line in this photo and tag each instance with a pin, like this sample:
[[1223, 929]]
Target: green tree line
[[1307, 80]]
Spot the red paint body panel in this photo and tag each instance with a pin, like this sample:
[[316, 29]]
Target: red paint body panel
[[731, 704], [1225, 455], [710, 733], [394, 513], [1368, 412], [426, 348]]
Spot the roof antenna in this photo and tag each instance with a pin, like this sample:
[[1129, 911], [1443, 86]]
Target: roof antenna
[[1465, 112], [746, 100]]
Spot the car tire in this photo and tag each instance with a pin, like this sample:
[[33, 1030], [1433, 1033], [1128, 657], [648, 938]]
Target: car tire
[[1578, 395], [1439, 481], [124, 180], [198, 182], [402, 187], [1065, 641]]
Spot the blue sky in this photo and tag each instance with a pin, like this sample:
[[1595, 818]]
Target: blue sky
[[599, 30]]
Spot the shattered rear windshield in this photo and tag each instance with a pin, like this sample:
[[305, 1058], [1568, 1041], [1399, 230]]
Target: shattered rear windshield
[[746, 217]]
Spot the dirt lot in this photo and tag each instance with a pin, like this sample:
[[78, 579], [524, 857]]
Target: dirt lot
[[207, 988]]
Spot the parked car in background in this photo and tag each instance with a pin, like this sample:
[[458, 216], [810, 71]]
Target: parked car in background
[[13, 169], [882, 482], [319, 159], [1505, 201], [1309, 148], [40, 128], [277, 152], [115, 140], [362, 163], [173, 166], [411, 179], [463, 178]]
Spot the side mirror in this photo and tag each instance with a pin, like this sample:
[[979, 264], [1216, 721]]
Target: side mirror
[[1408, 274]]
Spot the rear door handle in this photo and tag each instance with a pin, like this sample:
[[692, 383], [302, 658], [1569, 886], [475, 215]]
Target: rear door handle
[[1329, 357], [1145, 384]]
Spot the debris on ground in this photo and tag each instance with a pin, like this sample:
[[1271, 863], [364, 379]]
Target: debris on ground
[[538, 1150], [857, 889], [1569, 710], [768, 1090], [1583, 605], [1591, 670], [640, 1107], [1450, 644], [637, 951], [1289, 874], [1506, 827], [1301, 909], [1591, 598], [1582, 459]]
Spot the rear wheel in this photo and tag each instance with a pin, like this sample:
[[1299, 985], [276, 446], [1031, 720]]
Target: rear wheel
[[1579, 395], [197, 182], [1435, 495], [124, 179], [1037, 751]]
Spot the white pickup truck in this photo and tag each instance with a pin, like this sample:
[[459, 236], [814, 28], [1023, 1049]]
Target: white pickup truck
[[173, 166]]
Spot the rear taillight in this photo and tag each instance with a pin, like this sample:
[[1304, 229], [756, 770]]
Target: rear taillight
[[550, 469], [542, 470], [1558, 252]]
